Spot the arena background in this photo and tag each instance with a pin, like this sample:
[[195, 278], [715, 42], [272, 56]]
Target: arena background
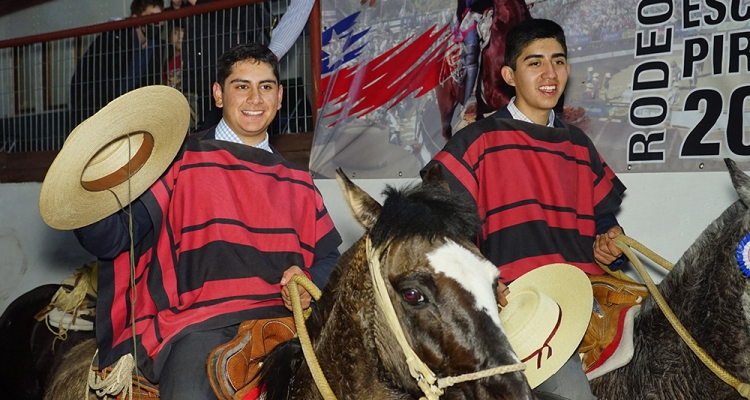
[[657, 88]]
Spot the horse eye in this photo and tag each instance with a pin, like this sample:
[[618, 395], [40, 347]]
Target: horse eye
[[412, 296]]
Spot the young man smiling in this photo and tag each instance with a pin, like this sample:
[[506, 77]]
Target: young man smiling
[[543, 190], [249, 94], [215, 240]]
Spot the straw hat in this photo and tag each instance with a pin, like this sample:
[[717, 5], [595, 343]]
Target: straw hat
[[546, 317], [140, 131]]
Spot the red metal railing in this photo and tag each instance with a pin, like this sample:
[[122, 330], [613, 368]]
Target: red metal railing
[[35, 116]]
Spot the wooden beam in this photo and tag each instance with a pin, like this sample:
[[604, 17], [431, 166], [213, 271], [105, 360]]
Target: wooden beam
[[295, 147], [33, 166], [25, 167]]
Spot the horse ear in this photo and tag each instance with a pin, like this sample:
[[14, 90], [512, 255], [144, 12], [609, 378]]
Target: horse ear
[[435, 175], [365, 209], [740, 181]]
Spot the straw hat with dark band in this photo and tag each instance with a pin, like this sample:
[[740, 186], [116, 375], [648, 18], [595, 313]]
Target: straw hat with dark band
[[136, 135], [546, 317]]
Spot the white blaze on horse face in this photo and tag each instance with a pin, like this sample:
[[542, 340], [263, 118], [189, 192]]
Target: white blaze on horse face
[[473, 273]]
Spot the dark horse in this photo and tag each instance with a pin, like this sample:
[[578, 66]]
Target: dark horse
[[450, 321], [31, 354], [706, 291], [441, 288], [492, 92]]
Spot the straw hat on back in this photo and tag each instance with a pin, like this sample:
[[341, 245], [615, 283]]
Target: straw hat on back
[[546, 317], [114, 156]]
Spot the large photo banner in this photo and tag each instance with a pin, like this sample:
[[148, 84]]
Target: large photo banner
[[659, 86]]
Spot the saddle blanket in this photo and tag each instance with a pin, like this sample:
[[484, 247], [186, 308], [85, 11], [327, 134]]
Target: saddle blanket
[[620, 351]]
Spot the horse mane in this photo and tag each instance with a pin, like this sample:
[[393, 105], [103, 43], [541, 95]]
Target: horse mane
[[427, 210], [690, 270], [424, 209], [280, 366]]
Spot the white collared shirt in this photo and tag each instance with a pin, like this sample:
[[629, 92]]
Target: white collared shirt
[[517, 114], [225, 133]]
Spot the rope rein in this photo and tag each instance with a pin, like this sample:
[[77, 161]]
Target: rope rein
[[304, 337], [625, 243], [426, 379]]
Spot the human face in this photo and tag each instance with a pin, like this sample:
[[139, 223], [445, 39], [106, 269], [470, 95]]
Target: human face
[[250, 98], [539, 78], [147, 32]]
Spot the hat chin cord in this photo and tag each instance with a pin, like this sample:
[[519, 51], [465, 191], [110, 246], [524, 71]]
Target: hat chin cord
[[120, 380], [431, 386]]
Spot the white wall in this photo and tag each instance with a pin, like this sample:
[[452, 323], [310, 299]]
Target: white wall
[[666, 212]]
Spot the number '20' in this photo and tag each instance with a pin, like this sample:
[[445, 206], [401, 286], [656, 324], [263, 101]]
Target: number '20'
[[693, 146]]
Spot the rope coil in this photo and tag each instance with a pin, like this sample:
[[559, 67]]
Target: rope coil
[[68, 302], [119, 380]]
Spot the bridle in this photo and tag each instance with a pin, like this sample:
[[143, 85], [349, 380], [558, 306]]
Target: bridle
[[431, 386]]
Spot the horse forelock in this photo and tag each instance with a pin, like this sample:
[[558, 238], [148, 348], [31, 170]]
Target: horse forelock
[[426, 210], [475, 274]]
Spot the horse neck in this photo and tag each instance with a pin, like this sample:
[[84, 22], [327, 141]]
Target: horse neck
[[342, 321], [707, 271], [350, 319]]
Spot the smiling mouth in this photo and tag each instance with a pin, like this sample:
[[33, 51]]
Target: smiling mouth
[[548, 88], [252, 113]]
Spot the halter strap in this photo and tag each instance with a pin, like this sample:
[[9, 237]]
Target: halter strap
[[426, 379]]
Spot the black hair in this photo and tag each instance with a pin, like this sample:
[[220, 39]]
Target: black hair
[[245, 52], [137, 7], [527, 31], [427, 210]]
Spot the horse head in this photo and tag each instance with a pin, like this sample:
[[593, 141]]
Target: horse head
[[706, 291], [440, 287]]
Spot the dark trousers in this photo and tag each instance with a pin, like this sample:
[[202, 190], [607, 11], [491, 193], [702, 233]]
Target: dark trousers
[[184, 375]]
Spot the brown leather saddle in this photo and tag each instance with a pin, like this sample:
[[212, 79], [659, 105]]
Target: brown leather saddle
[[233, 367], [612, 298]]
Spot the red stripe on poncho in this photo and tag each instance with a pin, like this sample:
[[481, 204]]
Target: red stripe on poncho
[[228, 221], [539, 190]]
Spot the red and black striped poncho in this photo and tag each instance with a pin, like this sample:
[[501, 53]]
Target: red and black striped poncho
[[228, 220], [539, 191]]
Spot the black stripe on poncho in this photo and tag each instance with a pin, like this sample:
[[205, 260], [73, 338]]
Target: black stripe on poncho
[[228, 221], [539, 191]]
